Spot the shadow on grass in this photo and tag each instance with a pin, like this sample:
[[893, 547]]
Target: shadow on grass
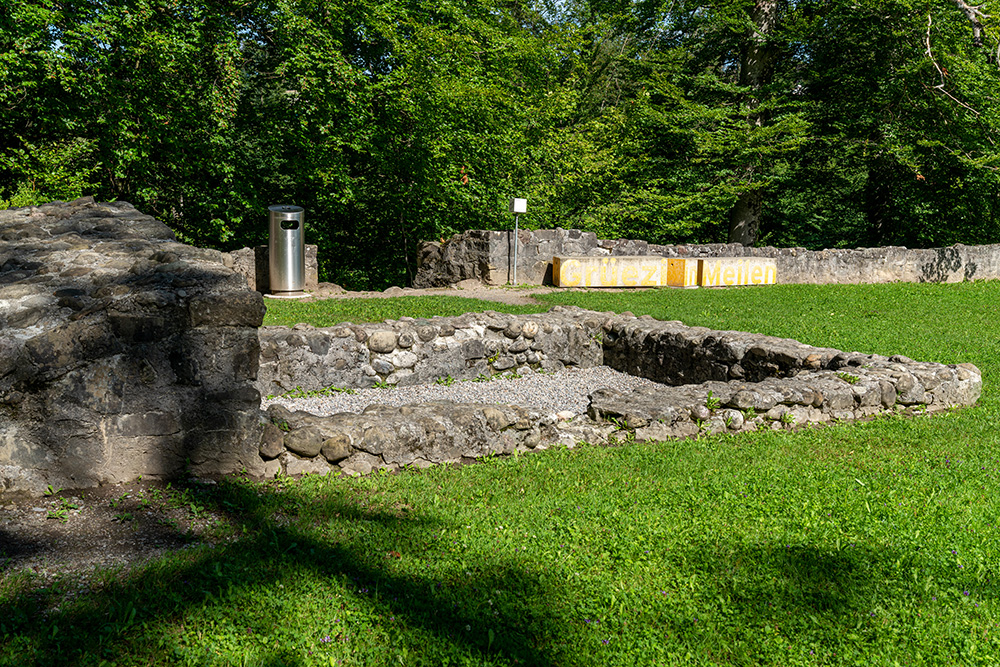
[[307, 558], [149, 615], [796, 596]]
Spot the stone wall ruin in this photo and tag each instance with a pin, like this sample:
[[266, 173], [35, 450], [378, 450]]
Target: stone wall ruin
[[711, 382], [485, 256], [124, 353], [410, 351]]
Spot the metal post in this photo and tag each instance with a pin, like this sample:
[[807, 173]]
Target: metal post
[[517, 206], [515, 249]]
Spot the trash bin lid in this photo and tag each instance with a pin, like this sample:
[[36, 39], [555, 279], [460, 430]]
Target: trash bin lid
[[285, 208]]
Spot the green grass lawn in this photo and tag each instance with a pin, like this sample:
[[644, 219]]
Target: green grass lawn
[[335, 311], [870, 544]]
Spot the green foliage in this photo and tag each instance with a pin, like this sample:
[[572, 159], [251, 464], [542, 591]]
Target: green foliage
[[848, 378], [712, 402], [902, 128], [396, 123], [57, 171]]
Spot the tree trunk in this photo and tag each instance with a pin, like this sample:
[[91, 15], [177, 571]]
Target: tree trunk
[[880, 188], [757, 60], [744, 218], [975, 16], [758, 55]]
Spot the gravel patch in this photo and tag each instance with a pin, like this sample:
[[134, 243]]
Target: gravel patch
[[123, 526], [567, 390]]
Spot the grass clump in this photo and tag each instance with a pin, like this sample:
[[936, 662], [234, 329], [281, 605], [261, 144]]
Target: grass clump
[[873, 543], [335, 311]]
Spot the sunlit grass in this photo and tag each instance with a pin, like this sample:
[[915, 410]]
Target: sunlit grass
[[872, 544], [335, 311]]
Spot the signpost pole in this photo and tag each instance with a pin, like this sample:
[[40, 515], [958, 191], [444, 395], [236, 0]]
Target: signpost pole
[[515, 248], [517, 206]]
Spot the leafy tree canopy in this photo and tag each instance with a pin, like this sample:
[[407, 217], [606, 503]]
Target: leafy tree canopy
[[820, 123]]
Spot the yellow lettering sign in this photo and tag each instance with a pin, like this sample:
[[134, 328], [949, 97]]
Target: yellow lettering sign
[[593, 276], [570, 273], [738, 271], [679, 272], [630, 276], [608, 275], [692, 279], [640, 271], [650, 277], [711, 273]]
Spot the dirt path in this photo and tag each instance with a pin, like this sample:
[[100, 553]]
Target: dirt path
[[470, 289]]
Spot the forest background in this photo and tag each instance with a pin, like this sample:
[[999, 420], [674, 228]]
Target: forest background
[[819, 123]]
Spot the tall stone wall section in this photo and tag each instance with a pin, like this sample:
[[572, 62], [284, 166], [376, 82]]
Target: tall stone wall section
[[485, 256], [122, 352]]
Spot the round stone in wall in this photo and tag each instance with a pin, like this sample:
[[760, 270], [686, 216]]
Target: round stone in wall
[[519, 345], [406, 340], [382, 341], [404, 359], [383, 366], [503, 363]]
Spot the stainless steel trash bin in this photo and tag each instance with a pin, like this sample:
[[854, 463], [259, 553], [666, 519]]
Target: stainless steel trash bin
[[286, 252]]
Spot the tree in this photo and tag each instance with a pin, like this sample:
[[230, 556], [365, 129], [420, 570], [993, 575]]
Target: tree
[[816, 122], [898, 96], [758, 54]]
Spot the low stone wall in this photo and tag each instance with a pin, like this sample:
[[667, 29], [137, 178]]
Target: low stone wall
[[779, 378], [418, 435], [485, 256], [410, 351], [122, 352], [713, 382]]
